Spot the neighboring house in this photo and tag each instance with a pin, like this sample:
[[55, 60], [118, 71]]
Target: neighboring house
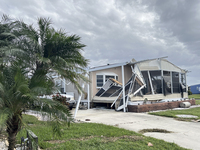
[[195, 89], [61, 84], [71, 88], [66, 87], [124, 84]]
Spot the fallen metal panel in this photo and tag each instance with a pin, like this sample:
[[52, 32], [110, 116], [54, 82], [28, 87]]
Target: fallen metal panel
[[107, 85], [121, 105], [117, 92], [110, 91], [116, 99], [98, 99], [134, 91], [100, 92], [137, 71]]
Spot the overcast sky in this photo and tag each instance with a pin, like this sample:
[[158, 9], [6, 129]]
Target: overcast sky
[[118, 30]]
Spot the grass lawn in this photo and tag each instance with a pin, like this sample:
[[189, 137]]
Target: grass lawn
[[196, 96], [92, 136], [173, 113], [197, 102]]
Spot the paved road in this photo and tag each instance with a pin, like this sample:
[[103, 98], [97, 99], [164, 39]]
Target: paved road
[[185, 134]]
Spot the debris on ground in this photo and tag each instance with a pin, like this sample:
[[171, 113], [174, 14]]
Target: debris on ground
[[150, 144], [186, 116]]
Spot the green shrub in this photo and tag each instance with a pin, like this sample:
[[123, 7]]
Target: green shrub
[[189, 92]]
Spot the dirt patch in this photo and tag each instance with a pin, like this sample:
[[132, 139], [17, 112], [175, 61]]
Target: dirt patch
[[104, 139], [77, 139], [154, 130], [184, 119], [113, 139]]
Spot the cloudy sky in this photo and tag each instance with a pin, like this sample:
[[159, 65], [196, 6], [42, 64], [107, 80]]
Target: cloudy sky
[[119, 30]]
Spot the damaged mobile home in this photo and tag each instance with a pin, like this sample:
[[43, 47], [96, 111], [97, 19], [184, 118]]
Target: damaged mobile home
[[136, 82]]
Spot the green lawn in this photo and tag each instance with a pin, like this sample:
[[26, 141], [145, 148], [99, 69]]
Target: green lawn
[[197, 102], [196, 96], [92, 136], [173, 113]]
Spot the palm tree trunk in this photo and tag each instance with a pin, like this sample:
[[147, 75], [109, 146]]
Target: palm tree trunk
[[13, 126], [11, 141]]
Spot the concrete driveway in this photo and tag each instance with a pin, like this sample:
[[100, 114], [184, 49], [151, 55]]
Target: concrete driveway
[[185, 134]]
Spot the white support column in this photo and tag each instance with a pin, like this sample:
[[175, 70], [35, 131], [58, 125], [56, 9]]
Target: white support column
[[152, 90], [161, 75], [171, 82], [186, 81], [64, 86], [162, 82], [88, 93], [79, 100], [123, 88]]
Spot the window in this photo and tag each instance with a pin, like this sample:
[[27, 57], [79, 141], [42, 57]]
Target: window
[[175, 81], [167, 82], [99, 80], [116, 78], [107, 77], [147, 89], [102, 78], [156, 81]]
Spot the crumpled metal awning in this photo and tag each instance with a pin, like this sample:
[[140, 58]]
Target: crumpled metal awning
[[113, 90]]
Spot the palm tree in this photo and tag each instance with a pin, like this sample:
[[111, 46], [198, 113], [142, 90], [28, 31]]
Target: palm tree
[[48, 50], [6, 37], [28, 56], [16, 94]]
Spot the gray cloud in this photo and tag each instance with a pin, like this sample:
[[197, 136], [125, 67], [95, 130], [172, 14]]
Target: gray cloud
[[117, 30]]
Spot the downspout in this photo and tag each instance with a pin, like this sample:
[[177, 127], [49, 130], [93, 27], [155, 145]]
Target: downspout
[[123, 89]]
